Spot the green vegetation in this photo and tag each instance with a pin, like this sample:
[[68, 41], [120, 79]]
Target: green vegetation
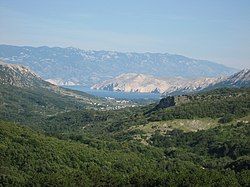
[[34, 105], [203, 141], [214, 104], [28, 105], [162, 127], [226, 118], [29, 158], [124, 124]]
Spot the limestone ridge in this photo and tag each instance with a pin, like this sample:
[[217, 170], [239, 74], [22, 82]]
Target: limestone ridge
[[132, 82]]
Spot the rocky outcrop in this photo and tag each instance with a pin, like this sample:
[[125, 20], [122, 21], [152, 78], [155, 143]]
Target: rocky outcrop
[[166, 102]]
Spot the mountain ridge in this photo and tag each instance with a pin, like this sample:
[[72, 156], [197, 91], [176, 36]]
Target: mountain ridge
[[88, 67], [20, 76], [240, 79], [132, 82]]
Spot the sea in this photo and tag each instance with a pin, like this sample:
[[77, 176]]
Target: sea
[[117, 95]]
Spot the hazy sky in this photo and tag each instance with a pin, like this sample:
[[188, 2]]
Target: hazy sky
[[217, 30]]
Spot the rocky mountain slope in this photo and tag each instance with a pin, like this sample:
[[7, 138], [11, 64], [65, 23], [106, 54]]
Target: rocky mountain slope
[[19, 76], [132, 82], [237, 80], [76, 66]]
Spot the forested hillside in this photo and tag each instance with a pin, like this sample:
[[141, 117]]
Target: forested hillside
[[26, 98], [69, 144], [31, 158], [222, 106], [215, 104]]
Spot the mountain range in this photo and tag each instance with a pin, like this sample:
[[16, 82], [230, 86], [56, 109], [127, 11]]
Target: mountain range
[[132, 82], [73, 66]]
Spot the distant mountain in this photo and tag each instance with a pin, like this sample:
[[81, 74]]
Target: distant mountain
[[24, 96], [75, 66], [240, 79], [132, 82]]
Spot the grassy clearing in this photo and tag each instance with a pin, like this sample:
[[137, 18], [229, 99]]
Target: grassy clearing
[[187, 125]]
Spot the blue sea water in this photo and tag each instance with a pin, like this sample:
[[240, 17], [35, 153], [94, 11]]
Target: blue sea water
[[117, 95]]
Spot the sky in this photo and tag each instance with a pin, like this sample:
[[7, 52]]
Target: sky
[[216, 30]]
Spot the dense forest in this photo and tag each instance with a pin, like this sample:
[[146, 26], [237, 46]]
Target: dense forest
[[203, 158], [91, 147]]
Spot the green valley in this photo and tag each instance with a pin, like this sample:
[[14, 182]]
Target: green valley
[[52, 136]]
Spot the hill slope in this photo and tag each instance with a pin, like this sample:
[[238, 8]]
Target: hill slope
[[76, 66], [28, 158], [24, 96], [218, 105]]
